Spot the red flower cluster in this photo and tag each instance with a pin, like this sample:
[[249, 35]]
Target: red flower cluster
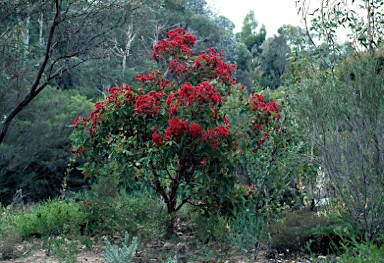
[[202, 93], [129, 96], [101, 106], [214, 136], [195, 130], [177, 128], [156, 137], [96, 115], [154, 79], [179, 44], [264, 112], [148, 104], [222, 131], [78, 151], [212, 66], [258, 104]]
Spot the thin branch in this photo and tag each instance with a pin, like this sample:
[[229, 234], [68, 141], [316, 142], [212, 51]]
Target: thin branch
[[33, 92]]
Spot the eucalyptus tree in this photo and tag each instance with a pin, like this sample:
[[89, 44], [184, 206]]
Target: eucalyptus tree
[[274, 61], [339, 98], [249, 34], [43, 40]]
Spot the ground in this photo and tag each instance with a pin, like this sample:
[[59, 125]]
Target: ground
[[33, 253]]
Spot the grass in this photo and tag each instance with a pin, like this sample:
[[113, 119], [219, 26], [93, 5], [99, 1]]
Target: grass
[[85, 219]]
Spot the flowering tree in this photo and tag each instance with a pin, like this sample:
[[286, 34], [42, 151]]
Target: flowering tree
[[169, 130]]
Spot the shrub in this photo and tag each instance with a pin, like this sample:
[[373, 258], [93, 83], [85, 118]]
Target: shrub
[[298, 229], [169, 130]]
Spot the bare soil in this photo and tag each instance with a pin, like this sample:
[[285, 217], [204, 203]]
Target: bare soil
[[32, 252]]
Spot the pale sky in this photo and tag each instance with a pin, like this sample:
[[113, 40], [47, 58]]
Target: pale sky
[[272, 13]]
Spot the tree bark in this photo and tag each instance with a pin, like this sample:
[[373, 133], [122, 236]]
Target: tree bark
[[35, 88]]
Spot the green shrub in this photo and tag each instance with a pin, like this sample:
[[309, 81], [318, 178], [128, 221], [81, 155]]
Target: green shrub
[[9, 238], [50, 217], [246, 231], [296, 230], [366, 252], [212, 228], [115, 211], [59, 217]]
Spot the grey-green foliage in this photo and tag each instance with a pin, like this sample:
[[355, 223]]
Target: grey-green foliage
[[246, 231], [345, 120], [124, 254]]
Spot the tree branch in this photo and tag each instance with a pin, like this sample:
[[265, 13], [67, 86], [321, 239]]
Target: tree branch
[[33, 92]]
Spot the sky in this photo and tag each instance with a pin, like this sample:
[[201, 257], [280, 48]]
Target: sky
[[272, 13]]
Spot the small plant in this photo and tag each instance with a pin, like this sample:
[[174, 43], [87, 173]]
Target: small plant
[[115, 254], [62, 249], [8, 241], [10, 233], [246, 231]]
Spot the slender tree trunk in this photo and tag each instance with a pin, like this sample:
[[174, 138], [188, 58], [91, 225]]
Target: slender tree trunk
[[41, 25], [36, 87]]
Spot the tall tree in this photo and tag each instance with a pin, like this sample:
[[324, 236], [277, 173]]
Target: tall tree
[[340, 99], [70, 33], [274, 61], [249, 35]]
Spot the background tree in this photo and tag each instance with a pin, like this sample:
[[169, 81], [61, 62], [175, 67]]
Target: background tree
[[274, 61], [340, 100], [68, 40], [249, 35], [252, 40]]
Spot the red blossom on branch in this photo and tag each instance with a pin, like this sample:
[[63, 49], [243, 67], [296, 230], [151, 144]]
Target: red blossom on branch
[[212, 66], [195, 130], [157, 138], [210, 136], [177, 128], [222, 131], [148, 104], [203, 93], [179, 43]]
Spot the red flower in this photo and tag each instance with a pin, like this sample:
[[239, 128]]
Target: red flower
[[177, 128], [149, 103], [203, 93], [257, 127], [76, 121], [145, 77], [170, 98], [223, 131], [173, 109], [157, 138], [272, 107], [226, 121], [178, 45], [211, 136], [195, 130], [258, 97]]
